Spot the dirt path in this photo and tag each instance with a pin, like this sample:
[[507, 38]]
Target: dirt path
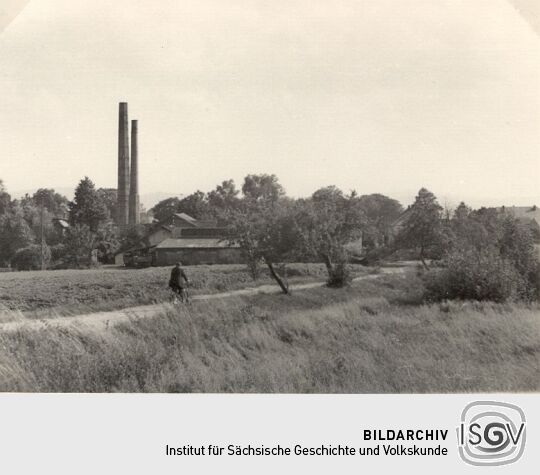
[[102, 320]]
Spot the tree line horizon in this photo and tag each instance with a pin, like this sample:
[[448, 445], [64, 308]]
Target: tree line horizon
[[274, 229]]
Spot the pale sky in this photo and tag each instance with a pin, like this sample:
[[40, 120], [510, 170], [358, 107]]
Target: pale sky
[[378, 96]]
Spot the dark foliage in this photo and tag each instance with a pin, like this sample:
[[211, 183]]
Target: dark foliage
[[29, 258]]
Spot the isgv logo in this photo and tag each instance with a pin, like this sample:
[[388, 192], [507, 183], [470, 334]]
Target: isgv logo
[[491, 433]]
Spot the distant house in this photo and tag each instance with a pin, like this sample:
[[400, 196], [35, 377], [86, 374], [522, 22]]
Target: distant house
[[528, 215], [397, 225], [60, 225], [523, 213]]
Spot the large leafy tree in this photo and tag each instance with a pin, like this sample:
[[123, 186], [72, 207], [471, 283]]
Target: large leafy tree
[[326, 223], [380, 211], [516, 244], [88, 207], [223, 199], [80, 243], [165, 208], [195, 205], [32, 257], [262, 187], [109, 197], [15, 233], [265, 231], [422, 229], [5, 199], [39, 218], [92, 233], [263, 225], [466, 230], [489, 255], [108, 242], [53, 202]]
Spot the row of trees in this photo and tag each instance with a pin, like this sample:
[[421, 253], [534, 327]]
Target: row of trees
[[29, 237], [477, 254], [24, 221], [484, 254], [218, 204], [274, 229]]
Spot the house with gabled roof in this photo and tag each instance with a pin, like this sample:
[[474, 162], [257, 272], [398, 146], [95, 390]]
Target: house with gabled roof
[[523, 213]]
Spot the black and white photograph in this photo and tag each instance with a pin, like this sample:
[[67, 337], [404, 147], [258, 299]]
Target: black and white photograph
[[269, 197], [255, 197]]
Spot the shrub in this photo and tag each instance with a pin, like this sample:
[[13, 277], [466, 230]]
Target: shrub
[[29, 258], [534, 281], [490, 256], [372, 256], [476, 275], [58, 251], [254, 268], [340, 275]]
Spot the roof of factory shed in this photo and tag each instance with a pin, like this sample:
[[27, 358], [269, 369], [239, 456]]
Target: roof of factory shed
[[186, 217], [193, 243]]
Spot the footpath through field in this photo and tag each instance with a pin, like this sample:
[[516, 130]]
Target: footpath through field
[[103, 320]]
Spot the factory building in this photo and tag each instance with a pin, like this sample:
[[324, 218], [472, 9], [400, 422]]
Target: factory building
[[187, 240], [179, 237]]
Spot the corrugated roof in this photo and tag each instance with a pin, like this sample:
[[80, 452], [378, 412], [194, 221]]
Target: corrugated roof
[[206, 224], [193, 243], [199, 233]]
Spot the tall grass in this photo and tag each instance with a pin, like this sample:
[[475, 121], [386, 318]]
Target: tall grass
[[372, 337]]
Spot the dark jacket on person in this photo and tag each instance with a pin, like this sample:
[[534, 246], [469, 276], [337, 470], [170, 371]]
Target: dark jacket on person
[[178, 277]]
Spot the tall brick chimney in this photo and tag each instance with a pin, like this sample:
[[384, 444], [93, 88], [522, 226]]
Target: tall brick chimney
[[134, 211], [122, 214]]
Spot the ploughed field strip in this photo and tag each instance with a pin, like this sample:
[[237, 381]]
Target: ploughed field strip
[[102, 320]]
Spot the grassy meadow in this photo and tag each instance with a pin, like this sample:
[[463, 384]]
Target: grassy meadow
[[71, 292], [375, 337]]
